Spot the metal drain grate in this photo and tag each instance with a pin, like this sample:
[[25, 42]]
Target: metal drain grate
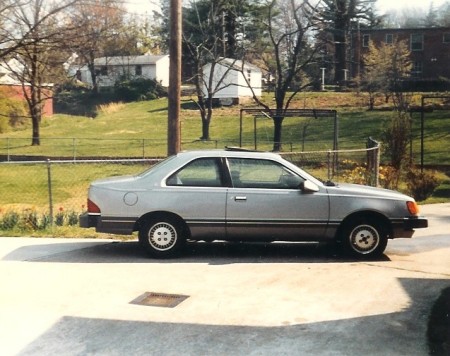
[[159, 299]]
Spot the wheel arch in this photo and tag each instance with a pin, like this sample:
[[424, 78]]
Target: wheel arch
[[160, 215], [367, 214]]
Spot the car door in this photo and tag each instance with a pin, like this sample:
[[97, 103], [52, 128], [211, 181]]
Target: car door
[[266, 203], [197, 193]]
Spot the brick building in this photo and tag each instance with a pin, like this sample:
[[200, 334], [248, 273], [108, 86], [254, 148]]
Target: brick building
[[429, 47]]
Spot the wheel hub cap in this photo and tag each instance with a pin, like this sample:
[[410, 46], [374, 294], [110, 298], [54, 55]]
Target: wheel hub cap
[[162, 236], [364, 239]]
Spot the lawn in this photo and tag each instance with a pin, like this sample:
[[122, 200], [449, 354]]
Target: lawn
[[139, 130]]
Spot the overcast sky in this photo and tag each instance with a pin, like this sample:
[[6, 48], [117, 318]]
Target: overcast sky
[[386, 5], [142, 6]]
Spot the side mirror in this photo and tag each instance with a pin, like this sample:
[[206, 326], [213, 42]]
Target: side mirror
[[308, 187]]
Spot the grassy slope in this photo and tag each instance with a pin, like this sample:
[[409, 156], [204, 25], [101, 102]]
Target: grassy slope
[[148, 121], [127, 127]]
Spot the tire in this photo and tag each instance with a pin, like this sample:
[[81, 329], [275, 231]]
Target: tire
[[162, 237], [364, 238]]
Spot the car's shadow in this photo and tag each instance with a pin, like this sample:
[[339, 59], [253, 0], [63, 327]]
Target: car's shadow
[[215, 253]]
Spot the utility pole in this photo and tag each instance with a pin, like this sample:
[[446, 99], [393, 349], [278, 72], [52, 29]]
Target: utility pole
[[173, 127]]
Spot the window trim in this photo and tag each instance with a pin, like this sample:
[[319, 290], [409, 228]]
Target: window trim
[[412, 47], [391, 38], [366, 40], [446, 37]]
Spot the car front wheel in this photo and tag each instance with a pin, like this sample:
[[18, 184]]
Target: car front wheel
[[162, 238], [364, 238]]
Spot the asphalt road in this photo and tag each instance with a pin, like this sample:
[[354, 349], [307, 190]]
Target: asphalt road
[[78, 297]]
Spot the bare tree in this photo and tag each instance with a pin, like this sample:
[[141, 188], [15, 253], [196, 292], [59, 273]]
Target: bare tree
[[204, 45], [33, 51], [287, 51], [98, 24]]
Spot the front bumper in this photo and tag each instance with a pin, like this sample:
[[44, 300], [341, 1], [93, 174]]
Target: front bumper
[[415, 223], [405, 227]]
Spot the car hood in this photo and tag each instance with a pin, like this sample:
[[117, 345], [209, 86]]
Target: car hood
[[364, 190]]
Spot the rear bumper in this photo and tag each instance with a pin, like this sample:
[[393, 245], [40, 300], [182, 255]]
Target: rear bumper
[[119, 226], [87, 220]]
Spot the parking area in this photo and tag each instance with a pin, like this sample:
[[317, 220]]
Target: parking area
[[78, 297]]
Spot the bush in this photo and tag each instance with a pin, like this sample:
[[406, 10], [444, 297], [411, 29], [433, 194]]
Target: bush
[[30, 220], [4, 124], [396, 139], [421, 184], [13, 113], [138, 89]]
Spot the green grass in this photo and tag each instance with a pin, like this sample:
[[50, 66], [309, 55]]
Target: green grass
[[26, 186], [140, 130]]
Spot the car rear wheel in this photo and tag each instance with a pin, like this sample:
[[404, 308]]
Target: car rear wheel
[[364, 237], [162, 237]]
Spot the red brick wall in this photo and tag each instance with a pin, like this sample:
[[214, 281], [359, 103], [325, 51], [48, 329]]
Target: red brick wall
[[16, 92], [434, 57]]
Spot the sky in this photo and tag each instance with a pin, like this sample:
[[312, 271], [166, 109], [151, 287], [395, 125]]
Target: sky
[[387, 5], [142, 6]]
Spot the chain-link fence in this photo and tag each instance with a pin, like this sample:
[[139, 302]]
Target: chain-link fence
[[359, 166], [40, 194]]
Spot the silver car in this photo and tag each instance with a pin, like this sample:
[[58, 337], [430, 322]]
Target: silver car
[[246, 196]]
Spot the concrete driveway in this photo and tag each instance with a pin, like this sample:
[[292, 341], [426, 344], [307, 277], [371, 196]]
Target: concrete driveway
[[81, 297]]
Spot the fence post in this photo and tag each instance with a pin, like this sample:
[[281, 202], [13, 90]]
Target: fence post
[[7, 147], [373, 161], [329, 164], [50, 196], [74, 149], [377, 165]]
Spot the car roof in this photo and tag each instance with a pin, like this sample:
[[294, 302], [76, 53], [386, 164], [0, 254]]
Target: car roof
[[229, 152]]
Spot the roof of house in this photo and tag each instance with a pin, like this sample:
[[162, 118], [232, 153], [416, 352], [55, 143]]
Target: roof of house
[[6, 79], [128, 60], [237, 64]]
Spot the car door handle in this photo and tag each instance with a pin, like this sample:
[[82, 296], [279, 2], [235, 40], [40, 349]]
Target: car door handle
[[240, 198]]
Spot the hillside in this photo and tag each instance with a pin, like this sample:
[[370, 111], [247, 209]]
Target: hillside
[[140, 129]]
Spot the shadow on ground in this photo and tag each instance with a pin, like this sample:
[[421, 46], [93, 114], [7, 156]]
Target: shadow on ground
[[216, 253]]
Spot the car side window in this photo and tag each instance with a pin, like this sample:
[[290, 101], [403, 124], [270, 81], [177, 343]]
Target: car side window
[[203, 172], [259, 173]]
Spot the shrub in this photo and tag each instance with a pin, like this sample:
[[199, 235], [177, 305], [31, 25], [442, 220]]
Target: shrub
[[138, 89], [396, 139], [421, 184], [389, 177], [9, 220], [30, 220], [13, 113]]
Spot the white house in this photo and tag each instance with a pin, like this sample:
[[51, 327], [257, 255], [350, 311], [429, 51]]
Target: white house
[[235, 77], [110, 69]]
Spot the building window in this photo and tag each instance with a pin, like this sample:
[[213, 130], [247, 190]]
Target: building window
[[366, 39], [416, 42], [138, 70], [389, 38], [417, 69], [103, 70], [446, 37], [249, 75]]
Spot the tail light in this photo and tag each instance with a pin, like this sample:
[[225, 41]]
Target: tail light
[[413, 208], [92, 207]]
